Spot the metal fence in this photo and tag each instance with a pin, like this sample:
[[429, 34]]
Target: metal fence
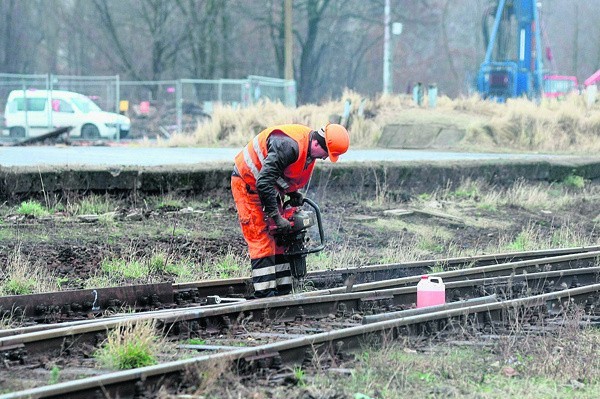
[[164, 106]]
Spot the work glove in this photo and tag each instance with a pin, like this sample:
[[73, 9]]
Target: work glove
[[296, 198], [282, 223]]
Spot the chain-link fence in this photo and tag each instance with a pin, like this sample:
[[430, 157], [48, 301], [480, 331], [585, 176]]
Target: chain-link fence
[[103, 90], [273, 89], [154, 107], [178, 105], [151, 106]]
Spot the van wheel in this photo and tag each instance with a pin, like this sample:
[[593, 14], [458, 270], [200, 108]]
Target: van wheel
[[89, 132], [17, 132]]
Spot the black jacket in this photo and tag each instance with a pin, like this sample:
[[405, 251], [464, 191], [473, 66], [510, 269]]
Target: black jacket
[[282, 151]]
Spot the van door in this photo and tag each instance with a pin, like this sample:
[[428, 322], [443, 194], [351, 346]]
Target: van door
[[63, 113], [31, 113]]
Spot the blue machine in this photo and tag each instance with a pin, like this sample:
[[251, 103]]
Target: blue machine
[[513, 58]]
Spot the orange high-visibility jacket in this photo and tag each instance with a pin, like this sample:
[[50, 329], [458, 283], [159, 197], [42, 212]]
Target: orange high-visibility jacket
[[250, 160]]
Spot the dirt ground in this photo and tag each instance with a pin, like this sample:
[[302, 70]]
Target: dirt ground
[[204, 231]]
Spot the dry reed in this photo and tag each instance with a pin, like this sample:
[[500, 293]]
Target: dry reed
[[517, 125]]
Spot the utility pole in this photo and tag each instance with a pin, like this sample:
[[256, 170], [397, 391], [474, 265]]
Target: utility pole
[[289, 47], [387, 60], [396, 31]]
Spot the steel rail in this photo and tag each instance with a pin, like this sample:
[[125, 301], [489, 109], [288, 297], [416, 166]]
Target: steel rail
[[290, 308], [92, 300], [529, 266], [82, 326], [56, 306], [363, 274], [122, 384], [258, 307], [121, 316], [579, 260], [293, 307], [436, 308], [451, 263]]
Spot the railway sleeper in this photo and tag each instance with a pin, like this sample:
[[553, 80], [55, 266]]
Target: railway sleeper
[[265, 361]]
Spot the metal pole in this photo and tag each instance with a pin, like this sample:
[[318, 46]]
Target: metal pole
[[289, 46], [538, 53], [492, 42], [117, 93], [179, 104], [50, 87], [25, 108], [386, 48]]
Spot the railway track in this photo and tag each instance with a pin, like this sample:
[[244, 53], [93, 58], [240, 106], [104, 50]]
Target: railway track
[[332, 344], [82, 304], [573, 262], [330, 321]]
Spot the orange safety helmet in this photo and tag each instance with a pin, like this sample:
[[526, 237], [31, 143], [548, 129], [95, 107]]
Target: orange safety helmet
[[337, 140]]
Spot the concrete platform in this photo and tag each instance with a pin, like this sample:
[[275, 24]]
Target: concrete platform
[[420, 136], [357, 180]]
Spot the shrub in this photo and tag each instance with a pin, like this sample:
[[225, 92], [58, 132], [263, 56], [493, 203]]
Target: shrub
[[574, 181], [32, 208]]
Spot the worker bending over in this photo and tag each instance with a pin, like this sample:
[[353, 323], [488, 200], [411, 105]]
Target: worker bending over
[[277, 162]]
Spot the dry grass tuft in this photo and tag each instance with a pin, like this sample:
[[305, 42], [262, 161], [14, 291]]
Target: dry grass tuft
[[517, 125], [209, 377], [565, 353], [20, 276]]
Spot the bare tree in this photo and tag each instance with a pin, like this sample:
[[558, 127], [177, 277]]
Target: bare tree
[[160, 19], [206, 23], [18, 41], [337, 43]]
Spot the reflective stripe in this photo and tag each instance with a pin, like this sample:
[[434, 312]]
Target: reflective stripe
[[258, 151], [265, 271], [250, 163], [283, 267], [284, 280], [265, 286]]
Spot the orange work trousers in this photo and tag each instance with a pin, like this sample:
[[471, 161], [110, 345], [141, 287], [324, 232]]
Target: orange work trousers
[[252, 219]]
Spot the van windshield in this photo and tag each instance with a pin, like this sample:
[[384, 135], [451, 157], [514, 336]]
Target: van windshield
[[85, 105]]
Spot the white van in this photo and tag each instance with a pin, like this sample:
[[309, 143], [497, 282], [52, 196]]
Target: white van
[[44, 110]]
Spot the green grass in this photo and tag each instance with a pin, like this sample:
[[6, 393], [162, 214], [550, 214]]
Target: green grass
[[19, 286], [464, 193], [177, 232], [131, 346], [99, 281], [170, 204], [196, 341], [300, 376], [429, 245], [54, 375], [32, 208], [229, 266], [92, 204], [520, 243], [114, 271], [574, 181], [132, 269], [487, 207], [424, 196], [160, 263]]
